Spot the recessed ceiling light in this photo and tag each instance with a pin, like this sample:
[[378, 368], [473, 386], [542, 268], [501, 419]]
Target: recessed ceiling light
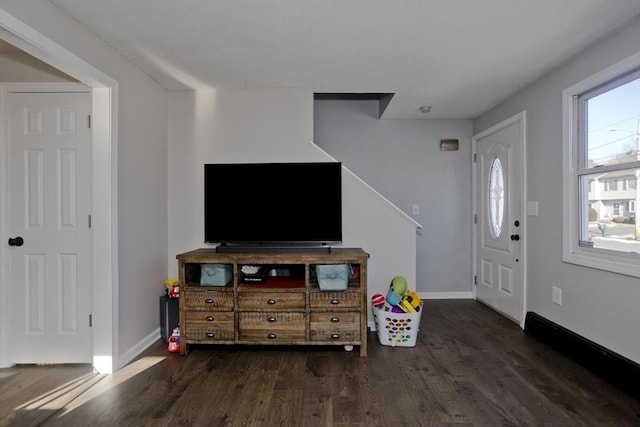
[[425, 108]]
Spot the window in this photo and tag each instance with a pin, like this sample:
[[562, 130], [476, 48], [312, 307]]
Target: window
[[630, 184], [496, 198], [601, 123], [616, 209]]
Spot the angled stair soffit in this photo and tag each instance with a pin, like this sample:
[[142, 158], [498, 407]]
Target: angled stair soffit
[[383, 98]]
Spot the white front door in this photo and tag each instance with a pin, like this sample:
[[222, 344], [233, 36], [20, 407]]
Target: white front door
[[498, 189], [49, 164]]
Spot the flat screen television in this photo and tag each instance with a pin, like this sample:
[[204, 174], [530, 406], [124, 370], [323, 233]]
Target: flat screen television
[[273, 204]]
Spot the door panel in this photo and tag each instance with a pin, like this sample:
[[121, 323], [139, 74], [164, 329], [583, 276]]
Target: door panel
[[498, 192], [49, 195]]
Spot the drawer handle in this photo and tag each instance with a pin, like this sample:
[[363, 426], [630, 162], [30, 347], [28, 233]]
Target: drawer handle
[[209, 301], [209, 319], [335, 336], [272, 336], [335, 320], [210, 335], [271, 319], [271, 301], [335, 301]]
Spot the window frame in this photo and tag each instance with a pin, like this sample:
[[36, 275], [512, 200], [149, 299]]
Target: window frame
[[573, 158]]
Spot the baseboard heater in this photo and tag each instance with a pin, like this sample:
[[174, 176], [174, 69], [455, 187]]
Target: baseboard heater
[[612, 367]]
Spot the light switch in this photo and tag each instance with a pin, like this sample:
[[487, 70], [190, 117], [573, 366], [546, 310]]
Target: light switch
[[532, 208]]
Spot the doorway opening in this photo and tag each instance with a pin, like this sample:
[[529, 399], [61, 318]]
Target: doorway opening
[[104, 275]]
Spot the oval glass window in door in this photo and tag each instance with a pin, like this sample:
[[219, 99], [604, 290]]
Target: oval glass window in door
[[496, 197]]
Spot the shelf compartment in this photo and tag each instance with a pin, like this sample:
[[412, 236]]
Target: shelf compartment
[[282, 275], [354, 272], [277, 282]]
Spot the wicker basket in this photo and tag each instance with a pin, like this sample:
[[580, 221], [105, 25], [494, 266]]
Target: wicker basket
[[397, 329]]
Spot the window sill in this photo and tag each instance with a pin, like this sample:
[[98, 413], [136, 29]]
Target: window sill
[[628, 266]]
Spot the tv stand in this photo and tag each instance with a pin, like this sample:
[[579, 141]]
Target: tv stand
[[242, 249], [288, 307]]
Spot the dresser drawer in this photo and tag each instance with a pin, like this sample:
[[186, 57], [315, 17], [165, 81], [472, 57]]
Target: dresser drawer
[[209, 325], [271, 326], [340, 299], [207, 299], [271, 300], [335, 326]]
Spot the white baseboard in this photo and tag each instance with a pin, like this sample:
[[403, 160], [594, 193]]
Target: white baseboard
[[137, 349], [446, 295]]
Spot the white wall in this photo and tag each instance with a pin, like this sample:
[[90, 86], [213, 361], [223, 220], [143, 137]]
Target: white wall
[[601, 306], [141, 180], [270, 125], [402, 160]]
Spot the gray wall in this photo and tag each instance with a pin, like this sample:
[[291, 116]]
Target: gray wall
[[402, 160], [601, 306]]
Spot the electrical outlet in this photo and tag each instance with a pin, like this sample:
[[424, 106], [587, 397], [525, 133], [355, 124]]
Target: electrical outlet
[[415, 209], [556, 298]]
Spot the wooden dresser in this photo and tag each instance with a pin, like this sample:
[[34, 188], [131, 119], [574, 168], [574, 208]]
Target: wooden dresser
[[287, 307]]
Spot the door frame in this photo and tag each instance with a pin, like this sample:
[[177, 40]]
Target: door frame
[[522, 119], [104, 261]]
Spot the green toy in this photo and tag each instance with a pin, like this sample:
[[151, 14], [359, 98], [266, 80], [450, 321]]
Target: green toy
[[399, 286]]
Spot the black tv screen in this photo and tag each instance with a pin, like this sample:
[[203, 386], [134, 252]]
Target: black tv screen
[[273, 203]]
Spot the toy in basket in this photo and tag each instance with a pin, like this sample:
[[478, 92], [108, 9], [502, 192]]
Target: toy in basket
[[397, 329], [397, 317]]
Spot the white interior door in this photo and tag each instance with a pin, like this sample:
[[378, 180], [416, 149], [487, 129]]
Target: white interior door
[[499, 260], [49, 153]]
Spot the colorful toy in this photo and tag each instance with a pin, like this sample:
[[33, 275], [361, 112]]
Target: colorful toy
[[397, 289], [172, 288], [392, 308], [399, 285], [174, 341], [393, 298], [410, 302], [377, 300]]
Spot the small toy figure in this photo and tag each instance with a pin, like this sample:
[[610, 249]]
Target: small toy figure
[[174, 292], [174, 341], [172, 288]]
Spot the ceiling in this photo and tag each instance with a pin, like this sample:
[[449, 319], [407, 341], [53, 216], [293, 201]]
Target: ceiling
[[461, 57]]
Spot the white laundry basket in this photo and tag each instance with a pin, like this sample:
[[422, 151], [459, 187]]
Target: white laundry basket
[[397, 329]]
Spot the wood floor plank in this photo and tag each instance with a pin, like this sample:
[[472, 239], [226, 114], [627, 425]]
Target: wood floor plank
[[470, 367]]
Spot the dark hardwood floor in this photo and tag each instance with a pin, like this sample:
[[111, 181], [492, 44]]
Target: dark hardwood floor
[[470, 367]]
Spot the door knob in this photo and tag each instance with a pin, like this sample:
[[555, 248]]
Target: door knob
[[16, 241], [515, 237]]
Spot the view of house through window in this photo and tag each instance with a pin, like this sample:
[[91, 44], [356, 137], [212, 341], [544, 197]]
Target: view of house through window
[[608, 169]]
